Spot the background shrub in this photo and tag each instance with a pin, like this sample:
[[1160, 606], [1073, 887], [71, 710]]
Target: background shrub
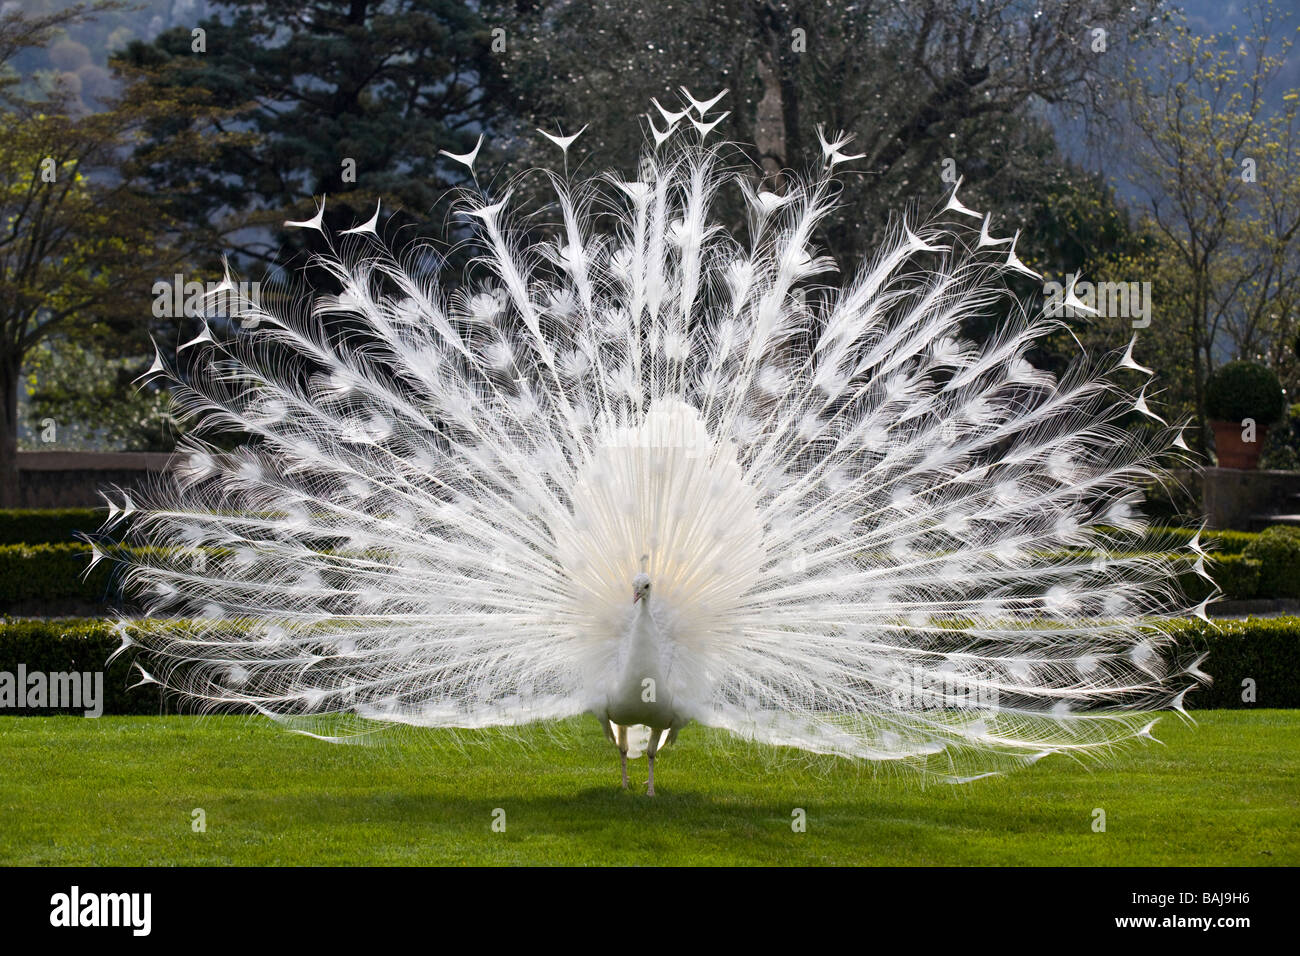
[[1221, 542], [52, 579], [1237, 576], [48, 525], [61, 646], [55, 574], [1282, 443], [1278, 552], [1265, 651], [1242, 389]]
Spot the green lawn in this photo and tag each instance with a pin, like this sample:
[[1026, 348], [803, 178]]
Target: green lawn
[[122, 791]]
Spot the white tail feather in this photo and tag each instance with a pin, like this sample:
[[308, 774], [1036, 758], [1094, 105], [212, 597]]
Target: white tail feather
[[868, 537]]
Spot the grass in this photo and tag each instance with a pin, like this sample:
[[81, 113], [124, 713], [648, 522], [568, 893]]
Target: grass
[[123, 790]]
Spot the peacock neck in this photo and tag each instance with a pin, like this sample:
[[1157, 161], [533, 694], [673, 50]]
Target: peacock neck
[[642, 645]]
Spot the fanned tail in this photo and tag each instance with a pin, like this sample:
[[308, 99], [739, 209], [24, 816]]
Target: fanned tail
[[878, 539]]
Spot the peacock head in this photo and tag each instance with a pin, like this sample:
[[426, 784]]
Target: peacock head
[[640, 587]]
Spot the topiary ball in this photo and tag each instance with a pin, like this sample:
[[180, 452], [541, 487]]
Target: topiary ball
[[1241, 390]]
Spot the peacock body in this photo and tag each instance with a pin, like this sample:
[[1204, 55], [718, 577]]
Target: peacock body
[[638, 468]]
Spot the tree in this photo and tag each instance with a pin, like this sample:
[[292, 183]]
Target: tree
[[1219, 170], [352, 99], [931, 89], [84, 237], [80, 397]]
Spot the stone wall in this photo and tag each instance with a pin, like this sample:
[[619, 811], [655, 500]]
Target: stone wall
[[1249, 500], [73, 479]]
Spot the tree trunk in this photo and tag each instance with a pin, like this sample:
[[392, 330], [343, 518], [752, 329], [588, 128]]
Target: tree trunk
[[770, 138], [791, 114], [9, 376], [1201, 364]]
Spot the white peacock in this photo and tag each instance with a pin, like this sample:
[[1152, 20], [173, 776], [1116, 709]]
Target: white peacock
[[638, 467]]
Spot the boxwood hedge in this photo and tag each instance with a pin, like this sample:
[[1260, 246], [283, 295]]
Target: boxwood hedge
[[60, 646], [54, 578], [1259, 655], [56, 574], [48, 525]]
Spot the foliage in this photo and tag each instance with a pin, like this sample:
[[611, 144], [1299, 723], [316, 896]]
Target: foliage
[[77, 398], [70, 644], [1237, 576], [351, 99], [1278, 551], [1219, 172], [1282, 444], [85, 236], [1265, 651], [1220, 542], [52, 574], [1241, 390], [48, 525], [930, 89]]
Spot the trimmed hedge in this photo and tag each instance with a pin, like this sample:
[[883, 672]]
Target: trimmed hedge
[[48, 525], [1236, 575], [1278, 552], [1263, 650], [63, 525], [55, 574], [80, 645], [1220, 542]]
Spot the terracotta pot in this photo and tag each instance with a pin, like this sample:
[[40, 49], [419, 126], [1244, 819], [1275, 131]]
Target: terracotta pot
[[1232, 451]]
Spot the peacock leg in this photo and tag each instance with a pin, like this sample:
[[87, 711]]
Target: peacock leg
[[621, 740], [655, 732]]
